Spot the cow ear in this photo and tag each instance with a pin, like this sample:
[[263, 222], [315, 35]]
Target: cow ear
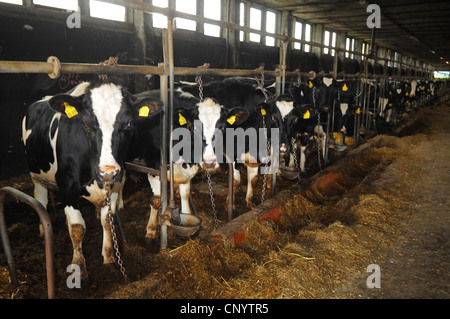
[[305, 112], [181, 117], [148, 107], [237, 116], [66, 104]]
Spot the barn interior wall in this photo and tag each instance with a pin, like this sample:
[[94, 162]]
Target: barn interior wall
[[34, 35]]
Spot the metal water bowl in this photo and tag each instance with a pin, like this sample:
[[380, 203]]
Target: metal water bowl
[[186, 225], [340, 147], [290, 173]]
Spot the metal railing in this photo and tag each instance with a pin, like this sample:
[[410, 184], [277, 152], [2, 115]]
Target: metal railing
[[48, 233]]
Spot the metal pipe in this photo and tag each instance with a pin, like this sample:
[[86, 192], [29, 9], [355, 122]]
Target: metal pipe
[[171, 105], [48, 233], [230, 186], [83, 68]]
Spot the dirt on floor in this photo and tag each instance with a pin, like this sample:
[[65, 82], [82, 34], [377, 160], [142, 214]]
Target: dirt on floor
[[391, 211]]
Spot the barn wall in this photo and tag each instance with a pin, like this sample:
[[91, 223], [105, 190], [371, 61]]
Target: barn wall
[[34, 34]]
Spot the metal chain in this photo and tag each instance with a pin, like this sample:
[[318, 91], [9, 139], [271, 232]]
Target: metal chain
[[114, 236], [318, 143], [261, 85], [211, 194], [318, 125], [199, 81], [294, 148], [263, 192]]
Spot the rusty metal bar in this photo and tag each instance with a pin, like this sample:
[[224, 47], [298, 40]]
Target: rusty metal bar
[[142, 169], [48, 233], [83, 68]]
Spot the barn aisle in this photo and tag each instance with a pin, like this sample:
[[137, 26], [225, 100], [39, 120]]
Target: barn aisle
[[417, 262]]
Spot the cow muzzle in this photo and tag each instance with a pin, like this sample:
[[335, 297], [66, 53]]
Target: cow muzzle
[[108, 173], [208, 165]]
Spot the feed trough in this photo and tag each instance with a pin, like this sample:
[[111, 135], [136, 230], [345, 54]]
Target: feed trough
[[289, 172], [185, 225]]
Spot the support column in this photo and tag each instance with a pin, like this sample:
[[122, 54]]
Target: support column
[[141, 47]]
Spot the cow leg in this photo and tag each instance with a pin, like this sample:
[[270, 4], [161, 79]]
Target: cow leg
[[185, 192], [155, 205], [77, 230], [236, 182], [302, 158], [252, 178], [107, 247]]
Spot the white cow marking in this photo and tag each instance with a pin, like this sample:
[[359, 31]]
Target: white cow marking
[[209, 114], [106, 104], [327, 81], [285, 107]]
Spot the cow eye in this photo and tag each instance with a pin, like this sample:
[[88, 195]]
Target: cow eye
[[86, 127], [129, 126]]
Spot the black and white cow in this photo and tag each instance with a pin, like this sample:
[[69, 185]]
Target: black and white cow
[[76, 144], [312, 99], [146, 146], [234, 103]]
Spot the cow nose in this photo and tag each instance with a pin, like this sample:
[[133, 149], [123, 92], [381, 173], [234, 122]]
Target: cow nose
[[108, 173], [209, 164]]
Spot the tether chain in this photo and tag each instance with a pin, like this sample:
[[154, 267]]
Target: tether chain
[[294, 148], [211, 194], [114, 236], [112, 61], [261, 85], [199, 81], [318, 126], [263, 192]]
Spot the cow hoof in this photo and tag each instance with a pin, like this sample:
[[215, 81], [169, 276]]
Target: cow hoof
[[111, 266], [251, 205], [152, 241]]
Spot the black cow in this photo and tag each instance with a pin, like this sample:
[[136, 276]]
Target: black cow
[[76, 143]]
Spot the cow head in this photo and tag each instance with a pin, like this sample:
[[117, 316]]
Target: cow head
[[106, 114], [203, 121]]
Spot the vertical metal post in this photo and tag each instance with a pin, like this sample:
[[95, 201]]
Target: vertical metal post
[[164, 139], [171, 102], [283, 53]]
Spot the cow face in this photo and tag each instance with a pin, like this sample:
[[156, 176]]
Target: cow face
[[205, 121], [107, 116]]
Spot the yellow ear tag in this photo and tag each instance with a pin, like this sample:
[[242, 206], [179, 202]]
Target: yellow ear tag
[[407, 94], [144, 111], [310, 84], [307, 115], [390, 104], [231, 119], [70, 110], [358, 111], [263, 111], [345, 88], [181, 119]]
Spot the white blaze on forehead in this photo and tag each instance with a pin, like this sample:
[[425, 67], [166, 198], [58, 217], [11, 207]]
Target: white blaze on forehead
[[209, 114], [106, 104], [285, 107], [344, 108], [327, 81]]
